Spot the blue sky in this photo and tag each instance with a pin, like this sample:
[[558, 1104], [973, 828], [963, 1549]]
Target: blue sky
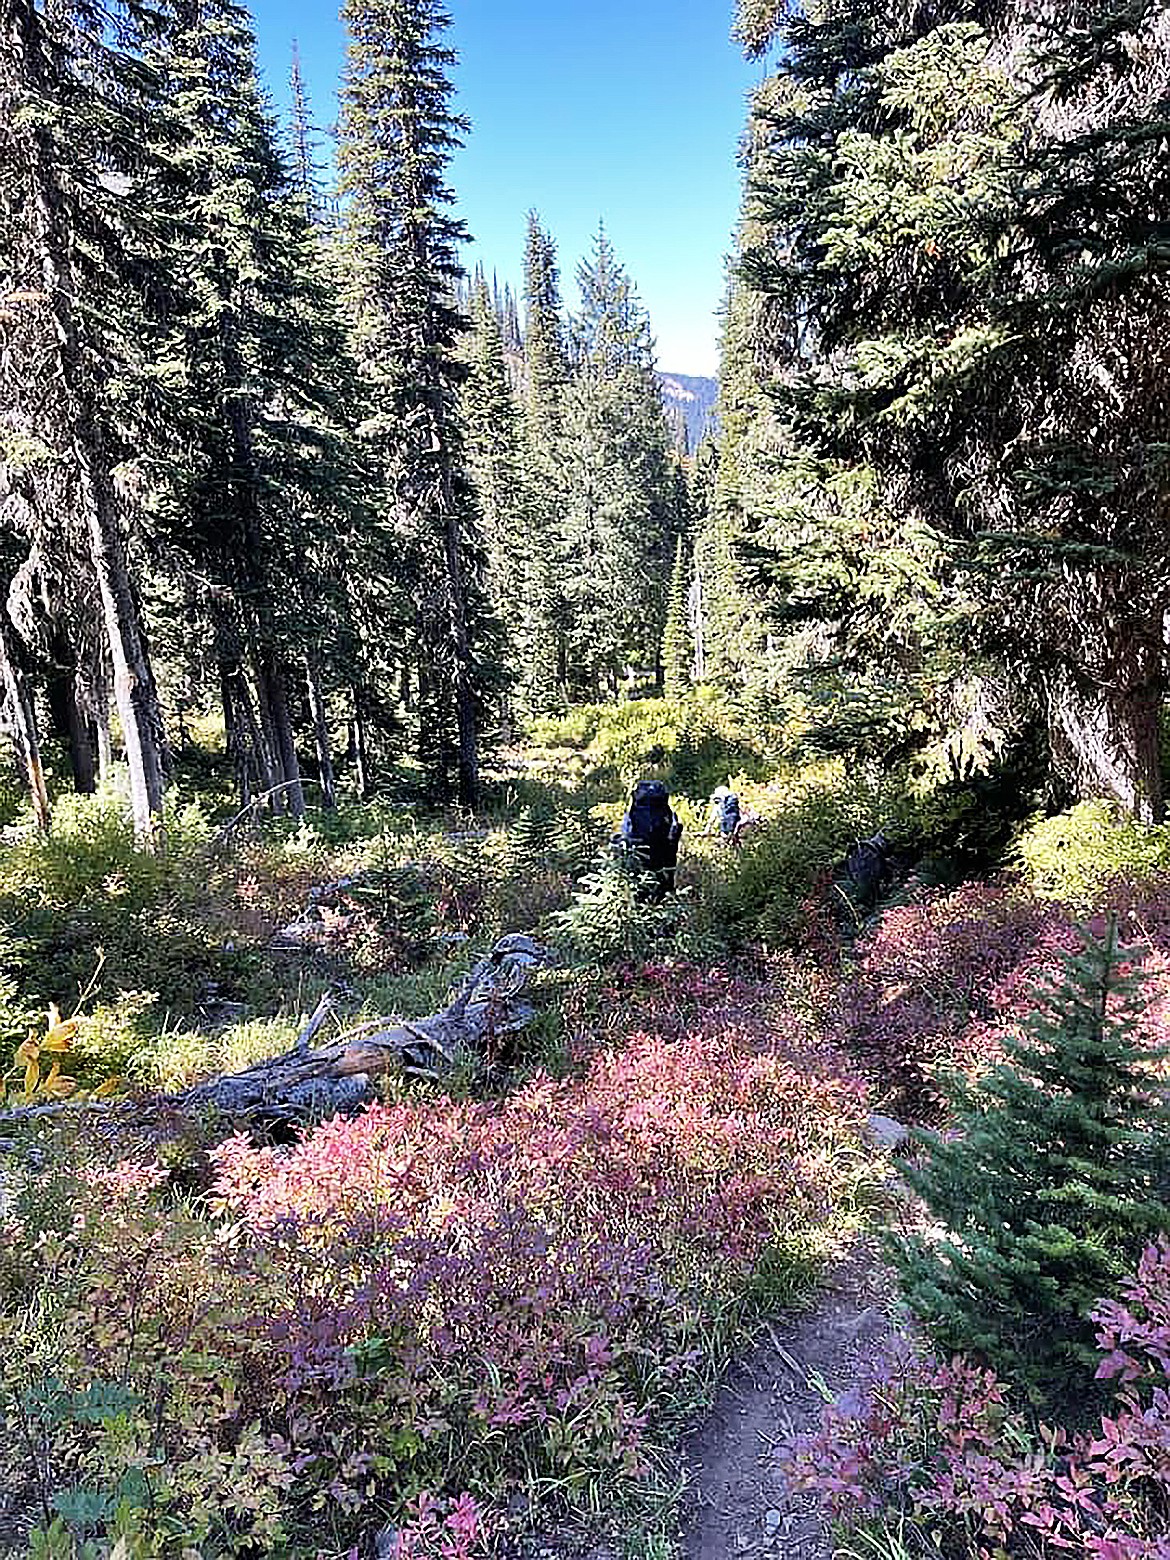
[[584, 109]]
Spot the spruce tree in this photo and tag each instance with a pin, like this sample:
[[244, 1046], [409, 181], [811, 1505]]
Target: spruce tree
[[516, 570], [73, 105], [546, 376], [258, 498], [1054, 1178], [398, 132], [619, 523], [957, 281], [677, 646]]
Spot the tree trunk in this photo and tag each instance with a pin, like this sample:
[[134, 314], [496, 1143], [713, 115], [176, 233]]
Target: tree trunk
[[24, 726], [252, 736], [271, 683], [321, 735], [234, 738], [465, 701], [1106, 741], [135, 694], [68, 721], [357, 732]]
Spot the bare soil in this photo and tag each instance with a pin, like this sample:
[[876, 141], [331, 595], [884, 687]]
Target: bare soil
[[738, 1506]]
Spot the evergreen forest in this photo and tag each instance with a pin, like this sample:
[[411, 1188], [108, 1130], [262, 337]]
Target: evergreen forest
[[402, 1157]]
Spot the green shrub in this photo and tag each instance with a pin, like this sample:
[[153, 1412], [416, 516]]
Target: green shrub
[[807, 820], [609, 921], [1074, 855], [692, 743]]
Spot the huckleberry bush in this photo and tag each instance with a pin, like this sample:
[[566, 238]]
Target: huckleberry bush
[[1052, 1181], [935, 1451], [941, 982], [410, 1316]]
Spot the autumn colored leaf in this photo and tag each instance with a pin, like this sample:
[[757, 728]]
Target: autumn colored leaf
[[61, 1031]]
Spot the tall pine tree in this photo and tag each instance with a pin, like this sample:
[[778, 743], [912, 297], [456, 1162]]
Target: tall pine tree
[[398, 132]]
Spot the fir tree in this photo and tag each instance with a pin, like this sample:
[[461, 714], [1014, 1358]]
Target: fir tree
[[979, 353], [1054, 1179], [258, 500], [398, 132], [517, 569], [619, 523], [546, 375], [677, 646]]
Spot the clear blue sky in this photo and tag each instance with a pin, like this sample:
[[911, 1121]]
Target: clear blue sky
[[624, 110]]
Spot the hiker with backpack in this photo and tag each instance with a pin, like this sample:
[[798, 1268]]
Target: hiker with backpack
[[649, 836], [728, 817]]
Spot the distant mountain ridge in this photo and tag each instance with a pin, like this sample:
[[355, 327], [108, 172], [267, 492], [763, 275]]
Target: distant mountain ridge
[[690, 406]]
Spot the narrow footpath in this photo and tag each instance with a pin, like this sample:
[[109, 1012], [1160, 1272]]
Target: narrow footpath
[[738, 1506]]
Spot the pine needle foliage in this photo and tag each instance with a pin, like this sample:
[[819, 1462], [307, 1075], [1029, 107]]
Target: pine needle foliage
[[1054, 1180]]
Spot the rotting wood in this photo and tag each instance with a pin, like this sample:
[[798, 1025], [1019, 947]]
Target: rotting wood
[[339, 1076]]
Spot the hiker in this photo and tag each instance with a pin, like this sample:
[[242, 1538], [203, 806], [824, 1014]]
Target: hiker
[[868, 869], [727, 818], [649, 834]]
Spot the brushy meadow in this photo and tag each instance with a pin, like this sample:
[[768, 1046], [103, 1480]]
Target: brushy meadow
[[470, 1311]]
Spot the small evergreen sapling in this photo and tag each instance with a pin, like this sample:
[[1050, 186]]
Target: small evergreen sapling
[[1052, 1185]]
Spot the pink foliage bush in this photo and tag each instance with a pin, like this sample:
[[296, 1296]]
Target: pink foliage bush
[[938, 1444], [520, 1280], [941, 980], [416, 1311]]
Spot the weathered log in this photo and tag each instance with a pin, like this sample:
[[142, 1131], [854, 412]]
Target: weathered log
[[338, 1076]]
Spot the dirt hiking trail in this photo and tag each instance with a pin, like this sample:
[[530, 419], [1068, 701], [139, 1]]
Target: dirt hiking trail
[[737, 1506]]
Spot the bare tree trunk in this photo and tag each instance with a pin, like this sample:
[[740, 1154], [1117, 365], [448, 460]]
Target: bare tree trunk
[[135, 694], [105, 748], [24, 726], [321, 734], [273, 697], [358, 740]]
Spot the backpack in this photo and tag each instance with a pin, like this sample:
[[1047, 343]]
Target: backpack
[[729, 814], [651, 827]]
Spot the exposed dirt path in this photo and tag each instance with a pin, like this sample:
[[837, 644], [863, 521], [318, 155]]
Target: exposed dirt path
[[738, 1506]]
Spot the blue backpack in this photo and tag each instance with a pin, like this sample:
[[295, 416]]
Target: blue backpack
[[729, 814]]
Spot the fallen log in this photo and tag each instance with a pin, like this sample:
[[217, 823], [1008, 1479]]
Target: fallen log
[[338, 1076]]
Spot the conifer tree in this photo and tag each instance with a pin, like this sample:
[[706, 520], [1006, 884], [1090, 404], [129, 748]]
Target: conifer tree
[[619, 523], [546, 377], [677, 646], [1055, 1178], [517, 568], [981, 353], [258, 498], [72, 107], [398, 132]]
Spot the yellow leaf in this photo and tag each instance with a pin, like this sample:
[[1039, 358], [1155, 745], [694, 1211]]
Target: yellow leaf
[[104, 1090], [32, 1076], [28, 1050], [59, 1088], [61, 1030]]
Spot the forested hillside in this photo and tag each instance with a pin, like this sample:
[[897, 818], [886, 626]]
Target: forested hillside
[[400, 1131]]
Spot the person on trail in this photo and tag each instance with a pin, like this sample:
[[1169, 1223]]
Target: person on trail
[[727, 818], [865, 874], [649, 835]]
